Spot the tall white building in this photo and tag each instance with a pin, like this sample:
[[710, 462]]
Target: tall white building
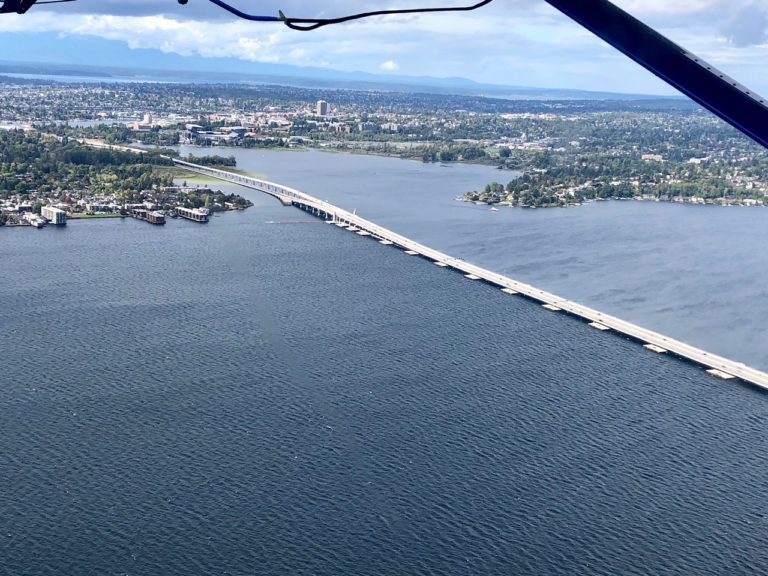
[[54, 215], [322, 108]]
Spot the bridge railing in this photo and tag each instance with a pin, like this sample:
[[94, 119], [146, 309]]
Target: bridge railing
[[265, 185]]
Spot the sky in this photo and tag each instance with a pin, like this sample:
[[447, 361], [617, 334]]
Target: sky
[[509, 42]]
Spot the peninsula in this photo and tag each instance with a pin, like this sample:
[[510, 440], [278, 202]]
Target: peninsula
[[39, 171]]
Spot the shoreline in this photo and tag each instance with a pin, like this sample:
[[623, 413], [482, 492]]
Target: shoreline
[[353, 152], [580, 203]]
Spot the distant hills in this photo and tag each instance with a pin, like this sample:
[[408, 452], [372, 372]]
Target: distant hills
[[85, 56], [314, 78]]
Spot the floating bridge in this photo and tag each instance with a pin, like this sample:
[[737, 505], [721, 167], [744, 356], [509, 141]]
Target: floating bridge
[[653, 341]]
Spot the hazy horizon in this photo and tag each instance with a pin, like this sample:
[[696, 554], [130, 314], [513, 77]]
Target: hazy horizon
[[518, 43]]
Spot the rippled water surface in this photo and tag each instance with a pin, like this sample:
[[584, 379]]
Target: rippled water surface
[[267, 394], [697, 273]]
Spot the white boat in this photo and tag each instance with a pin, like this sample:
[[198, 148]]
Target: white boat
[[35, 220], [494, 209]]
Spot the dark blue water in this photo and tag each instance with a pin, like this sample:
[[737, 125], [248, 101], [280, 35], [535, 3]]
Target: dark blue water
[[250, 398], [697, 273]]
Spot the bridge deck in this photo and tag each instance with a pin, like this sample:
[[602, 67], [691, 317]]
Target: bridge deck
[[716, 365]]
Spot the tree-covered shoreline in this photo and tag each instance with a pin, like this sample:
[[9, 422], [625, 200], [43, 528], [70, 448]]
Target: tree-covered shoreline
[[39, 169]]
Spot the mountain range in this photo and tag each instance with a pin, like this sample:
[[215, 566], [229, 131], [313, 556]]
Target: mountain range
[[111, 60]]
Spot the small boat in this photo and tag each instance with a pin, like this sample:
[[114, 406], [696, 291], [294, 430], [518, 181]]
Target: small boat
[[494, 209]]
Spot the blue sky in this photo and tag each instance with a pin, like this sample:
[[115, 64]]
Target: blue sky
[[516, 42]]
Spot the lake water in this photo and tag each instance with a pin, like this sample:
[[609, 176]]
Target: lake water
[[697, 273], [267, 394]]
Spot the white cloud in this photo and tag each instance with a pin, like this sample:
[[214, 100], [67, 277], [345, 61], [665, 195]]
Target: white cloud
[[389, 66], [522, 42]]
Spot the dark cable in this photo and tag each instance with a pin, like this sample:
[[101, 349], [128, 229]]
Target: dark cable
[[21, 7], [307, 24], [240, 13]]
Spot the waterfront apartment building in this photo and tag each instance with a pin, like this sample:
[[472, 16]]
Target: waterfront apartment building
[[55, 216], [195, 214], [322, 108]]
